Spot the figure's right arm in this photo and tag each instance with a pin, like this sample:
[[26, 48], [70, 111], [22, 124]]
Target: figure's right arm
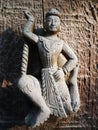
[[29, 27]]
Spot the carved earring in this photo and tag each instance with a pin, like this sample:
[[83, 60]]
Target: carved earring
[[59, 29], [44, 27]]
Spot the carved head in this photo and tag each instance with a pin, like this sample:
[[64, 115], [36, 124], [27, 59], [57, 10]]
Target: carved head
[[52, 24]]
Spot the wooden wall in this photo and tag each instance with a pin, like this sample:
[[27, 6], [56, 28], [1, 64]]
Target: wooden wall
[[80, 29]]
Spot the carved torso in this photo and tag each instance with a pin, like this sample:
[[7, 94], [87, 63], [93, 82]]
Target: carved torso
[[49, 51]]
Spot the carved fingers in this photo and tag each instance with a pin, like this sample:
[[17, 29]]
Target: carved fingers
[[75, 104], [58, 75], [75, 99], [28, 15]]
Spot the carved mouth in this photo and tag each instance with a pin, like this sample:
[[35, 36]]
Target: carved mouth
[[53, 27]]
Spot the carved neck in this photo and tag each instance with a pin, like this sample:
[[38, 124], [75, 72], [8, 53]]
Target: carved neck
[[53, 36]]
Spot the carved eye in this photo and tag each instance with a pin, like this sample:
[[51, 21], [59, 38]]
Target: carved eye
[[55, 20], [49, 20]]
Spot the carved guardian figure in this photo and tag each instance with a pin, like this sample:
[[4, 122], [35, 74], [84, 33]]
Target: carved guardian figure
[[52, 94]]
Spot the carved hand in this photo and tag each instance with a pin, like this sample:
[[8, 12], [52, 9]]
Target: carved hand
[[75, 105], [75, 98], [59, 74], [29, 15]]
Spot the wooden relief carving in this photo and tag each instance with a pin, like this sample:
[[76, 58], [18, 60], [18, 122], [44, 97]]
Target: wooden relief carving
[[27, 58], [59, 97]]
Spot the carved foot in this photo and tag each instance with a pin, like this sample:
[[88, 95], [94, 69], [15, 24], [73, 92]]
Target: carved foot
[[43, 115]]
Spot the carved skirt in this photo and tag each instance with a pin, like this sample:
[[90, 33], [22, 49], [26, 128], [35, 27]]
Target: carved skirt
[[53, 93]]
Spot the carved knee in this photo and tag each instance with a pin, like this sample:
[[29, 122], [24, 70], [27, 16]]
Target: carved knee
[[28, 84]]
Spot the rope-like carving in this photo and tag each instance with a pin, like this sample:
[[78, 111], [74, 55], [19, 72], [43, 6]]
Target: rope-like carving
[[24, 59]]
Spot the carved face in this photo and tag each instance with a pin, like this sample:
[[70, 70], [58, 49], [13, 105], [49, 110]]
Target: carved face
[[53, 24]]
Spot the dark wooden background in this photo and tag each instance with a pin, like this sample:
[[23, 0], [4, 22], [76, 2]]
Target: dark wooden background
[[80, 29]]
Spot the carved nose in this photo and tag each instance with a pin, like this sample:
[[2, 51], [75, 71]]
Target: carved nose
[[53, 23]]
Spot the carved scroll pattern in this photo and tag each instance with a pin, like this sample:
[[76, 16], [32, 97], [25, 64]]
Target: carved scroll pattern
[[11, 45]]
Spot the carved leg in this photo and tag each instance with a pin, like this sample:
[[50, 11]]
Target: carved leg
[[65, 96], [74, 92], [30, 86]]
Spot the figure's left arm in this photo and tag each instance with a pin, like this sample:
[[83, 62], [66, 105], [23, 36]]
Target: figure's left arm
[[71, 57], [72, 66]]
